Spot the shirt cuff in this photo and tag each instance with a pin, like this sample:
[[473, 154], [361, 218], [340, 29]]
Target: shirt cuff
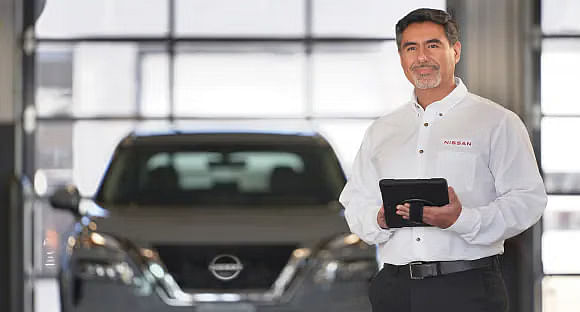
[[467, 224], [375, 213]]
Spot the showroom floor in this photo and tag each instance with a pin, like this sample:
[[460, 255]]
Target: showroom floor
[[559, 295]]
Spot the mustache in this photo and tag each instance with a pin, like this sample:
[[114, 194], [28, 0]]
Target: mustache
[[433, 66]]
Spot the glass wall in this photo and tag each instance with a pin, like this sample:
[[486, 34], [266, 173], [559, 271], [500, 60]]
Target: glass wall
[[559, 127], [107, 67]]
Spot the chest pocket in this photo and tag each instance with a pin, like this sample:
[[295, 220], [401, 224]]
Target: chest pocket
[[458, 168], [389, 165]]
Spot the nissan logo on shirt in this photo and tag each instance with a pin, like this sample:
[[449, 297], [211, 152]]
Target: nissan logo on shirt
[[457, 142], [225, 267]]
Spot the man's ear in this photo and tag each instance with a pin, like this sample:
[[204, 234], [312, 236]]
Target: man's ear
[[457, 51]]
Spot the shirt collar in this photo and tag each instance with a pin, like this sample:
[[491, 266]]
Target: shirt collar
[[444, 105]]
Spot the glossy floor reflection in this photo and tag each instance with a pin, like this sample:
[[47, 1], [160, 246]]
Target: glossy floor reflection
[[559, 294]]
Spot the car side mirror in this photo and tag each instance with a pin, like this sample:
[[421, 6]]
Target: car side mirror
[[66, 198]]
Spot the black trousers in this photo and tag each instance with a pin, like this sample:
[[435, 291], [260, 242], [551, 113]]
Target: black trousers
[[476, 290]]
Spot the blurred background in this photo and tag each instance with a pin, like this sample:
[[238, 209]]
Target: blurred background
[[94, 70]]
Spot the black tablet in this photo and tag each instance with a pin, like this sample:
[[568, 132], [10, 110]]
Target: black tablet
[[417, 192]]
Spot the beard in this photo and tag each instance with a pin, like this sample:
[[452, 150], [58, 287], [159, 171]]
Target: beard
[[426, 81]]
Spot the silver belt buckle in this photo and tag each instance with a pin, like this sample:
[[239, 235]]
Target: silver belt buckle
[[411, 264]]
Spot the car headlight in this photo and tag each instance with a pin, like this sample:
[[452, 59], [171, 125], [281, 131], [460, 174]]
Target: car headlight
[[102, 257], [121, 271], [346, 258]]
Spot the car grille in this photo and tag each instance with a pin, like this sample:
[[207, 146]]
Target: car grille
[[189, 265]]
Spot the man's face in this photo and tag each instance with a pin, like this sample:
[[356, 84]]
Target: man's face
[[427, 57]]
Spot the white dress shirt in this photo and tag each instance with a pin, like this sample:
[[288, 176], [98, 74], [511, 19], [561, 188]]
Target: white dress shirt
[[484, 152]]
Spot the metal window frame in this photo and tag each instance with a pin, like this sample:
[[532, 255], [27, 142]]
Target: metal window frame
[[170, 41]]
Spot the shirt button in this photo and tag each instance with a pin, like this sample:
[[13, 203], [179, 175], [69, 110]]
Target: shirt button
[[440, 114], [420, 151], [426, 124], [418, 239]]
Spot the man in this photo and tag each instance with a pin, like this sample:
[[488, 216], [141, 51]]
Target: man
[[484, 152]]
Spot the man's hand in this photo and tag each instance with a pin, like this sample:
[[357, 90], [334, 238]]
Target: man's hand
[[442, 217], [381, 220]]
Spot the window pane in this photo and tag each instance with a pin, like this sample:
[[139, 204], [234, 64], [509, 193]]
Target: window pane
[[364, 18], [73, 18], [358, 80], [239, 18], [559, 154], [155, 85], [559, 149], [345, 137], [560, 293], [104, 79], [559, 75], [561, 226], [239, 81], [54, 156], [560, 16], [93, 145], [96, 79], [54, 79]]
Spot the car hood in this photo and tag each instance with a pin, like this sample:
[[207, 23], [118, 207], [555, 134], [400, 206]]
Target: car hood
[[219, 225]]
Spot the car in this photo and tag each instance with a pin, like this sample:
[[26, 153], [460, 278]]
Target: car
[[215, 221]]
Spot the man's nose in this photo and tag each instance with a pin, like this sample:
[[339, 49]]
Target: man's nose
[[421, 56]]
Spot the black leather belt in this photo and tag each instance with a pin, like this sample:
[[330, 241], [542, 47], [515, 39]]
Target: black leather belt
[[421, 270]]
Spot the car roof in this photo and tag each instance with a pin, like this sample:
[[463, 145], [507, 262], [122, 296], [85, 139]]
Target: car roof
[[226, 137]]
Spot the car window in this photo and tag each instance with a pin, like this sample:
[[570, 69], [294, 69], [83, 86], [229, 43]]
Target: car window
[[247, 171], [248, 175]]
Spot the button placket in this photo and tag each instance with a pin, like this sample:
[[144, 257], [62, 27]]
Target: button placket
[[417, 238], [424, 131]]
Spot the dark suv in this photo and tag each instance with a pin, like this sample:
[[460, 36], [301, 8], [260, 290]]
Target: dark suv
[[215, 221]]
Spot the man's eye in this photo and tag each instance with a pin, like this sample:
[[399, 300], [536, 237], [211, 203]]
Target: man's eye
[[433, 45], [411, 49]]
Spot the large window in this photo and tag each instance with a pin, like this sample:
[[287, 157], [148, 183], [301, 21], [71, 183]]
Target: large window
[[559, 127], [106, 67]]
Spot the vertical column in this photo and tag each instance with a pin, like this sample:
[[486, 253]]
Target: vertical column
[[11, 218], [500, 61], [7, 162], [496, 35]]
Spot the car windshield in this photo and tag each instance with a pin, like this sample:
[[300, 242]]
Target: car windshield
[[222, 175]]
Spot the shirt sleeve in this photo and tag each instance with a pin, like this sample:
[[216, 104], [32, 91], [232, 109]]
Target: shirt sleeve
[[521, 197], [361, 198]]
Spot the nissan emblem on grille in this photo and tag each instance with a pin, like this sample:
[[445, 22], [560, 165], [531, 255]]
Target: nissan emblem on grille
[[225, 267]]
